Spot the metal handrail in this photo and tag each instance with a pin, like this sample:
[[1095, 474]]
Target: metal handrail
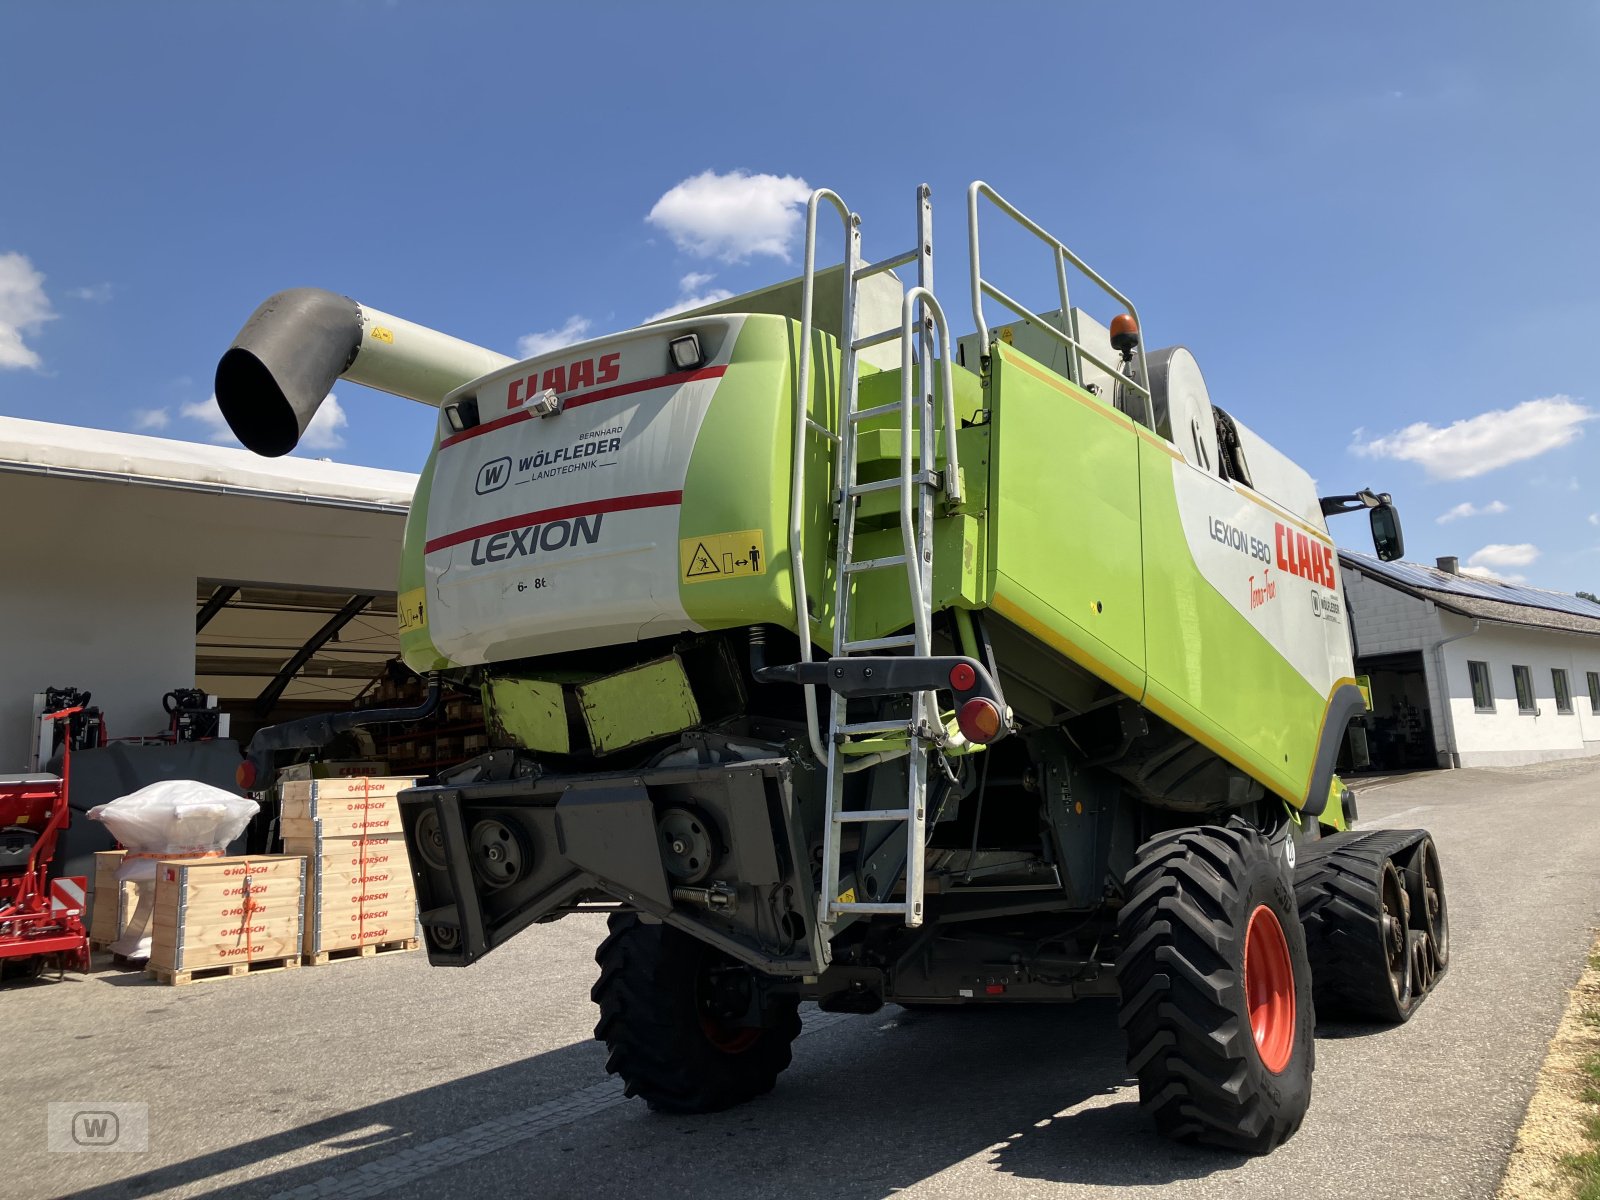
[[1076, 351], [803, 422]]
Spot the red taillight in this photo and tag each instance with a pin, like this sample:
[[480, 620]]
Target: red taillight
[[994, 989], [962, 677], [245, 775], [979, 720]]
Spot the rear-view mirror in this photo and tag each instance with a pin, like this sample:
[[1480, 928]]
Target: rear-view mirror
[[1386, 536]]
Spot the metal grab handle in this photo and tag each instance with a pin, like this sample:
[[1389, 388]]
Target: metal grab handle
[[1076, 351], [802, 422]]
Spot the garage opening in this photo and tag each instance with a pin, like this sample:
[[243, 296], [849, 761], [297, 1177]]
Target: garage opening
[[1399, 729], [273, 653]]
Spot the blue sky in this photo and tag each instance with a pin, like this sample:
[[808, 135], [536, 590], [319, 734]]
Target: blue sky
[[1374, 224]]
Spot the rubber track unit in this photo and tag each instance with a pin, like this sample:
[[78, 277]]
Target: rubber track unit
[[650, 1023], [1337, 881], [1191, 895]]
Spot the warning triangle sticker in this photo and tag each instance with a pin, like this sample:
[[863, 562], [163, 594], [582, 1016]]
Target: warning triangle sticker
[[702, 563]]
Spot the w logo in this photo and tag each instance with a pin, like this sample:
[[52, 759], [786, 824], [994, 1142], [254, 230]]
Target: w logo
[[492, 475]]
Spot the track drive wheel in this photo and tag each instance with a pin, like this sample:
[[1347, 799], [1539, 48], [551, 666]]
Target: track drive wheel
[[1429, 913], [1358, 921], [1216, 991], [661, 995]]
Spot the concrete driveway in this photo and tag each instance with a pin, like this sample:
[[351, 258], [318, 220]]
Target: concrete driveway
[[386, 1078]]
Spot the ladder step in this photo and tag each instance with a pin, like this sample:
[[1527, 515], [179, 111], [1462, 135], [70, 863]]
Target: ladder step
[[875, 339], [900, 726], [873, 814], [887, 643], [925, 478], [880, 485], [880, 410], [886, 264], [840, 906], [875, 564]]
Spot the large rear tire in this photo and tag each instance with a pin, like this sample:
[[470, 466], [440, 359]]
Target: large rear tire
[[659, 1021], [1216, 991]]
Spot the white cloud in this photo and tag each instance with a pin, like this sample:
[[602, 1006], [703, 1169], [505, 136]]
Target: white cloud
[[733, 216], [95, 293], [531, 345], [1594, 518], [1498, 554], [1468, 509], [1478, 445], [321, 434], [691, 296], [151, 418], [24, 308], [208, 414], [1495, 576]]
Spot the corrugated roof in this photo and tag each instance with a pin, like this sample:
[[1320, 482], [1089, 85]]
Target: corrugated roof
[[1488, 599], [72, 452]]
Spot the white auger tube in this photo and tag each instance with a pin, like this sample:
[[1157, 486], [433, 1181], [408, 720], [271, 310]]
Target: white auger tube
[[280, 367]]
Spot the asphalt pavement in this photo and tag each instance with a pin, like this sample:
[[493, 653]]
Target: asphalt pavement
[[384, 1077]]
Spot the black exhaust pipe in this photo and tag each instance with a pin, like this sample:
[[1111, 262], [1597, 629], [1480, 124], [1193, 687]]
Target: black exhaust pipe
[[281, 366], [292, 349]]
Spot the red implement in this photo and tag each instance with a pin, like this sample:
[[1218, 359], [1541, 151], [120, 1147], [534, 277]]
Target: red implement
[[41, 919]]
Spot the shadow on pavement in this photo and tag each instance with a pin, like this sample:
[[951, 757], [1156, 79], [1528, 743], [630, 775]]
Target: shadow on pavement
[[872, 1106]]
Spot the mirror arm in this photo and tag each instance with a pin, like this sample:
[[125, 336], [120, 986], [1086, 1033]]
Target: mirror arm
[[1366, 498]]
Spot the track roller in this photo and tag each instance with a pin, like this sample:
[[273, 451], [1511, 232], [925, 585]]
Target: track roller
[[1377, 928]]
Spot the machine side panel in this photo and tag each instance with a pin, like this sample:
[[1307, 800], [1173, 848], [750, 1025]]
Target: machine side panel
[[733, 559], [1064, 511], [1247, 646], [416, 646]]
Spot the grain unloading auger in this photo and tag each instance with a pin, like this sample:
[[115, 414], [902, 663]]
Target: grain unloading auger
[[841, 663]]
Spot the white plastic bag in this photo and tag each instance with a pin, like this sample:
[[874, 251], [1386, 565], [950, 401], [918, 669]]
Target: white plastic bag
[[175, 818]]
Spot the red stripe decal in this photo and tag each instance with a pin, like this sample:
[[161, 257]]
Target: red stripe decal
[[582, 398], [587, 509]]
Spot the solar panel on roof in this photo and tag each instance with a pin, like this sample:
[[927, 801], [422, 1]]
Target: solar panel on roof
[[1431, 578]]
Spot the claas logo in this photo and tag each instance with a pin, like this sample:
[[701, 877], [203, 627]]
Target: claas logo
[[1304, 556], [586, 372]]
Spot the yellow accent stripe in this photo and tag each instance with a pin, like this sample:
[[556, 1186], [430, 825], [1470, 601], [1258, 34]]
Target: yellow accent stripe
[[1061, 644], [1012, 612]]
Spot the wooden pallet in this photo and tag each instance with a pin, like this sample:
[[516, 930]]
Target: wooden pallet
[[367, 951], [261, 966]]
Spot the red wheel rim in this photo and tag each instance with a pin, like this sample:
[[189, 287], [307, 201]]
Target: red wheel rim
[[730, 1040], [1269, 989]]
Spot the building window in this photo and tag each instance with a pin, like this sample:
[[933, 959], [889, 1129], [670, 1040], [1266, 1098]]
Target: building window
[[1594, 692], [1482, 688], [1558, 676], [1524, 681]]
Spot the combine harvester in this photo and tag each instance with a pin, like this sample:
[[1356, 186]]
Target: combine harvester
[[841, 663]]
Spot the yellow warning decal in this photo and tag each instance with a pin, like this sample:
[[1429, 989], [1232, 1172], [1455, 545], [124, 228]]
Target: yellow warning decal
[[848, 896], [413, 611], [722, 556], [380, 334], [1005, 334]]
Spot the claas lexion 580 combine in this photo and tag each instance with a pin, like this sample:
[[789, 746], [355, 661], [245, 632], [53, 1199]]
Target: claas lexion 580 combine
[[840, 662]]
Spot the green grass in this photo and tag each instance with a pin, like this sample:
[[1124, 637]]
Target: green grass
[[1585, 1167]]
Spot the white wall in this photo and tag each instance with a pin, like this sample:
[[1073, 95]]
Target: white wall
[[1507, 737], [97, 585]]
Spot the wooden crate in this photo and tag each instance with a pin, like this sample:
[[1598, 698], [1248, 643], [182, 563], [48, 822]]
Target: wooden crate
[[113, 899], [312, 808], [365, 950], [236, 913], [359, 892]]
